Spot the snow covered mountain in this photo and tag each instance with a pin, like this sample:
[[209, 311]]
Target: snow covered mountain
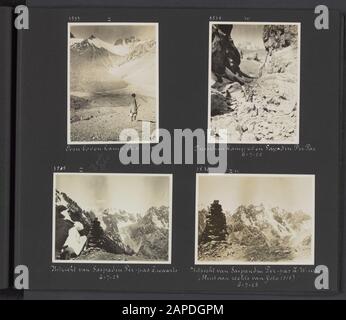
[[129, 50], [93, 50], [119, 231], [261, 233], [130, 61], [273, 224], [68, 212], [151, 233], [145, 234]]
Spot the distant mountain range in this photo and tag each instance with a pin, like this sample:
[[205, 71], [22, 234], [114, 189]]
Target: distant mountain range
[[264, 232], [127, 48], [130, 60], [122, 232]]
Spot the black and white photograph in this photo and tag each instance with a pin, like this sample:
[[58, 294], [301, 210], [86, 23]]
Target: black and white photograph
[[112, 218], [255, 219], [113, 82], [254, 82]]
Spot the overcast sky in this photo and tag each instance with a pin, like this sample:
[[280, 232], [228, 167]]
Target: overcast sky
[[110, 33], [133, 193], [291, 193]]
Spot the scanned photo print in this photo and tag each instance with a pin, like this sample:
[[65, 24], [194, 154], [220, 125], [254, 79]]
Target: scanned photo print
[[255, 219], [113, 82], [254, 82], [112, 218]]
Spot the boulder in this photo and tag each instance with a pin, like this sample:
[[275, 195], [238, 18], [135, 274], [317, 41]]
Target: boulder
[[219, 104]]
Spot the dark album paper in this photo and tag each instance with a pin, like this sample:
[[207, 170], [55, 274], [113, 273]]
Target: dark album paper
[[179, 150], [5, 142]]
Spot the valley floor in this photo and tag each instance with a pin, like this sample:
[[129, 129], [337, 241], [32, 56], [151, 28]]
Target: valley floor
[[102, 117]]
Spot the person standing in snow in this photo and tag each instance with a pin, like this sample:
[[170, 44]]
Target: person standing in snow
[[134, 108]]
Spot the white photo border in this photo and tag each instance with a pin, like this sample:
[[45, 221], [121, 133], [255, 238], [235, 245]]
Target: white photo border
[[139, 262], [157, 113], [297, 137], [242, 263]]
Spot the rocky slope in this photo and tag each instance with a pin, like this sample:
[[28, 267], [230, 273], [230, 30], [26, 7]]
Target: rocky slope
[[150, 234], [265, 108], [68, 212]]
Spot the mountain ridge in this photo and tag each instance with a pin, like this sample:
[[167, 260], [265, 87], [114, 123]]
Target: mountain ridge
[[122, 232], [260, 232]]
